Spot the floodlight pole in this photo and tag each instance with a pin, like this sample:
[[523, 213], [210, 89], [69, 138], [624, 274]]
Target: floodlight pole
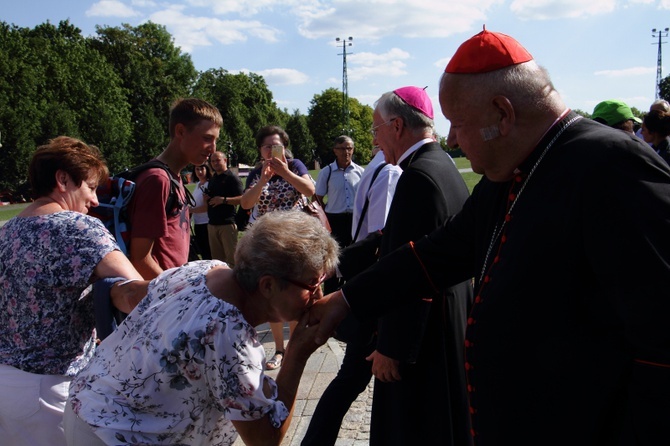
[[346, 130], [660, 33]]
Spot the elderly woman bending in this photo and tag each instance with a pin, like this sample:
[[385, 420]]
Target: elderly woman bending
[[186, 366], [49, 254]]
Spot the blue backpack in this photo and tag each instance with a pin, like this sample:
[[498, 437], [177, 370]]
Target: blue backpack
[[115, 194]]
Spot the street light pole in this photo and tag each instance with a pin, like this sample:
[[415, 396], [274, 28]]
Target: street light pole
[[346, 130], [659, 33]]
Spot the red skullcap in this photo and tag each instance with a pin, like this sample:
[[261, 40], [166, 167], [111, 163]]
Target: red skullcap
[[417, 98], [486, 52]]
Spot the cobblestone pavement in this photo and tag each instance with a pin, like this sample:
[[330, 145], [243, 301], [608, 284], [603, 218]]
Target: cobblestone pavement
[[320, 370]]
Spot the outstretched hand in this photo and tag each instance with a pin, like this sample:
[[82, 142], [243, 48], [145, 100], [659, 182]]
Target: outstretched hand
[[328, 312]]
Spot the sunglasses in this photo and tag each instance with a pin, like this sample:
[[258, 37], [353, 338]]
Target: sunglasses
[[311, 288]]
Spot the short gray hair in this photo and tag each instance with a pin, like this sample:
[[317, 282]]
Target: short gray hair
[[391, 105], [284, 244]]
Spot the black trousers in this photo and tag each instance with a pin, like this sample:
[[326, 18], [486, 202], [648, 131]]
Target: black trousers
[[202, 240], [351, 380], [340, 225]]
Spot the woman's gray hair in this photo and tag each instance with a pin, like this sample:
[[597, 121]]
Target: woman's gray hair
[[390, 105], [284, 244]]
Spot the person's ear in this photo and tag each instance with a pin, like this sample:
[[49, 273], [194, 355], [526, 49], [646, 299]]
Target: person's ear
[[506, 115], [179, 130], [62, 178], [268, 286]]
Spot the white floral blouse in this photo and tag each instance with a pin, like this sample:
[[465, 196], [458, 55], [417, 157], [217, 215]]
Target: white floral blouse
[[179, 368]]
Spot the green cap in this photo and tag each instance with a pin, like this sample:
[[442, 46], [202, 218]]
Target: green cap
[[614, 112]]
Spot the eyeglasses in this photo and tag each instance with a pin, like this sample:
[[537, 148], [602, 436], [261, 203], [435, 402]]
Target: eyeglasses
[[269, 146], [311, 288], [373, 130]]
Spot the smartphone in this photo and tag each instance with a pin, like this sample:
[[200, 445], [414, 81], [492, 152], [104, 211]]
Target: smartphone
[[277, 150]]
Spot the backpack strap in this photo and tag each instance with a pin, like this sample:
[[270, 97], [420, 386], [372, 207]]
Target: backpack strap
[[173, 200], [367, 202]]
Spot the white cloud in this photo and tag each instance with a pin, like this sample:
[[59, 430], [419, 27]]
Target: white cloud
[[442, 63], [191, 31], [626, 72], [111, 8], [366, 65], [376, 19], [282, 76], [557, 9], [143, 3]]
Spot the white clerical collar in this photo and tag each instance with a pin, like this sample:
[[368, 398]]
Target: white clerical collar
[[414, 148]]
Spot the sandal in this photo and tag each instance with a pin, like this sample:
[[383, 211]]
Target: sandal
[[275, 362]]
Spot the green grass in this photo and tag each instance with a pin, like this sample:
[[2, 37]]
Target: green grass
[[471, 178]]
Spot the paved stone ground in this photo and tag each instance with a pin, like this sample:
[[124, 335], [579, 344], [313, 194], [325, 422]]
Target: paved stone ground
[[320, 370]]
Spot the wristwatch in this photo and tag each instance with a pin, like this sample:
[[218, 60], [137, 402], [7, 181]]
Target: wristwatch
[[225, 200]]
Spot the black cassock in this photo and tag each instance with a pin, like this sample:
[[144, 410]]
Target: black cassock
[[567, 342], [430, 400]]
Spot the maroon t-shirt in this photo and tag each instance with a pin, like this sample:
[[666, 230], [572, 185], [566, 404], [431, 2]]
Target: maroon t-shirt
[[148, 219]]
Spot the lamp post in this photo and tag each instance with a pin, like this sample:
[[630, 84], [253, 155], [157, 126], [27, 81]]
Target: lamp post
[[660, 33], [345, 84]]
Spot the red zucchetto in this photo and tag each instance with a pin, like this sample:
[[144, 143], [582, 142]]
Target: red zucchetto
[[486, 52], [417, 98]]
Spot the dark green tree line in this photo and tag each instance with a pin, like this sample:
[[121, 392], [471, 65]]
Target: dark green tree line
[[114, 90]]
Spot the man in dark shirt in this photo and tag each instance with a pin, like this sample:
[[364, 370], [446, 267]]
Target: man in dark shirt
[[223, 194], [566, 236]]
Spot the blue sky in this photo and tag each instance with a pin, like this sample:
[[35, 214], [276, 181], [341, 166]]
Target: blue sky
[[593, 49]]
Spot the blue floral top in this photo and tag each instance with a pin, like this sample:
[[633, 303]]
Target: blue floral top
[[181, 366], [46, 263]]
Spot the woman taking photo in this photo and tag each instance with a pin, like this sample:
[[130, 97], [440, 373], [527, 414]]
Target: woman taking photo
[[278, 183], [49, 254]]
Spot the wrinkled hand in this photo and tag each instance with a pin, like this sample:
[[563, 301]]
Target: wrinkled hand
[[302, 343], [384, 368], [327, 312]]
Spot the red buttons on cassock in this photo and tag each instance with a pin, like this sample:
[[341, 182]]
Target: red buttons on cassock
[[508, 218], [511, 197], [471, 321], [473, 410], [478, 299]]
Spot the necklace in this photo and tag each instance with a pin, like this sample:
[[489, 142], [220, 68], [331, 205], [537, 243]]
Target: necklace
[[499, 228]]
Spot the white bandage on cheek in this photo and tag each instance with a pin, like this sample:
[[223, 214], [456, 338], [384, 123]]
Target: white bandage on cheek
[[489, 133]]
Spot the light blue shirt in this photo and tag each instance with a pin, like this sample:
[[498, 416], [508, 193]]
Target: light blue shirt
[[340, 188]]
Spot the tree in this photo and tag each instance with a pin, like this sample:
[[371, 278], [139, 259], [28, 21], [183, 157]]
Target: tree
[[246, 105], [154, 74], [302, 143], [52, 84], [324, 121], [665, 88]]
